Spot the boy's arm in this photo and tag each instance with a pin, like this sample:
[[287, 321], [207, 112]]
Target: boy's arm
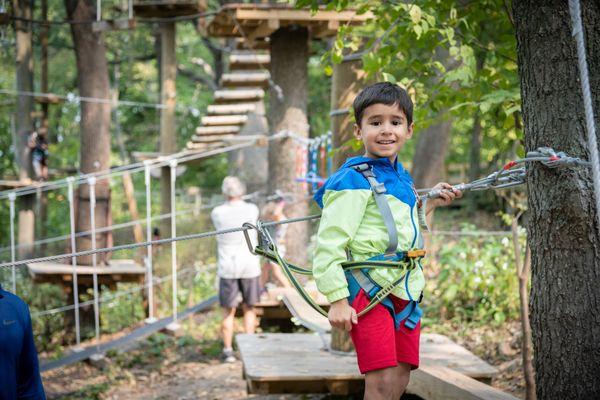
[[343, 211]]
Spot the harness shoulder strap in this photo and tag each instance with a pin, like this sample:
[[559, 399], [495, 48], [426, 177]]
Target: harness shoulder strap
[[379, 191]]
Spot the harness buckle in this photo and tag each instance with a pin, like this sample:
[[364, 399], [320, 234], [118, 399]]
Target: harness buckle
[[379, 188], [417, 253]]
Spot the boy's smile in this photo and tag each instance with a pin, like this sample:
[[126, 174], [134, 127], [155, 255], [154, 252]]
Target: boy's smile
[[383, 131]]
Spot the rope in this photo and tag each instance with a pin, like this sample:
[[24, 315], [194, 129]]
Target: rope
[[592, 142], [72, 98], [162, 161], [116, 295]]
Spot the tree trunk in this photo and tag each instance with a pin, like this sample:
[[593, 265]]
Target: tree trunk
[[289, 70], [430, 154], [168, 139], [92, 78], [347, 80], [563, 232], [24, 78]]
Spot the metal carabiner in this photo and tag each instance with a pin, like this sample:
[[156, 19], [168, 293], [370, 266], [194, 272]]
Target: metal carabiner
[[248, 226]]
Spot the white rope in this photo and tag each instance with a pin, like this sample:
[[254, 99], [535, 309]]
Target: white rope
[[92, 186], [74, 99], [74, 262], [117, 294], [12, 242], [173, 166], [149, 272], [592, 142]]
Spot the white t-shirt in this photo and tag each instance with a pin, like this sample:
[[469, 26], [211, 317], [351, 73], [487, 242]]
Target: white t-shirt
[[234, 260]]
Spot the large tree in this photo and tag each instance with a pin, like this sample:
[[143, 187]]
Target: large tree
[[563, 229], [92, 79]]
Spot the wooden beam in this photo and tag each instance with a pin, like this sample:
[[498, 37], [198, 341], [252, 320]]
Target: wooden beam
[[326, 29], [221, 109], [217, 130], [221, 120], [300, 15], [264, 29], [434, 382]]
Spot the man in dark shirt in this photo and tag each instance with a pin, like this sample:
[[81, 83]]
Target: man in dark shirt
[[19, 370]]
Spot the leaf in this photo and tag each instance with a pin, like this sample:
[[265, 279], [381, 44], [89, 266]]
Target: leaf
[[415, 13], [418, 30], [388, 77]]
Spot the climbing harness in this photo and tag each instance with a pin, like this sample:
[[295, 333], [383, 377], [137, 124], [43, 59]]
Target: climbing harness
[[357, 272]]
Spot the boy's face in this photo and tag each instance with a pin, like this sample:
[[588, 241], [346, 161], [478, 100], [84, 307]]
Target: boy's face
[[383, 131]]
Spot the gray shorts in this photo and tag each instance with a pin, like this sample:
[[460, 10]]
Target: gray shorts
[[229, 289]]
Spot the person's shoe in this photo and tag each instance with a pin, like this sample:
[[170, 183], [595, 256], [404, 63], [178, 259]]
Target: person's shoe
[[228, 356]]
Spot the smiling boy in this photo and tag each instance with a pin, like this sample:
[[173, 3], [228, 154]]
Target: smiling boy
[[355, 224]]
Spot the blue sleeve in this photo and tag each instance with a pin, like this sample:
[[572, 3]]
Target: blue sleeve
[[29, 381]]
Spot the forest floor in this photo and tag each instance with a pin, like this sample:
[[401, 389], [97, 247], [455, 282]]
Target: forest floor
[[188, 366]]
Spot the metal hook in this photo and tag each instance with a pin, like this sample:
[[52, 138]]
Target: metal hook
[[248, 226]]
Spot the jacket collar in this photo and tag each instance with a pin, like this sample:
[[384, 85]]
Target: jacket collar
[[384, 161]]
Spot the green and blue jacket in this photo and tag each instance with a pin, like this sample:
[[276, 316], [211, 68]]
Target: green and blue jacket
[[351, 222]]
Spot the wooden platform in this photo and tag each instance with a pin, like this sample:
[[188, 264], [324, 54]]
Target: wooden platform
[[256, 21], [166, 8], [116, 271], [300, 363]]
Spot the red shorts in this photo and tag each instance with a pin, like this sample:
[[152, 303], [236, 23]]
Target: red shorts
[[378, 344]]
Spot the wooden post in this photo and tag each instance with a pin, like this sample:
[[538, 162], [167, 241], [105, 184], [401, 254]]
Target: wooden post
[[168, 139], [289, 70], [347, 80]]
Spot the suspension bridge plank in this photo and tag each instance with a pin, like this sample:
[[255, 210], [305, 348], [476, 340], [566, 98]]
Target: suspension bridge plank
[[202, 131], [118, 270], [234, 95], [223, 109], [246, 78], [300, 363], [224, 120]]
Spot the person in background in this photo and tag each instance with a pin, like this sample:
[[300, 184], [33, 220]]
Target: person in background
[[237, 268], [273, 212], [19, 370], [38, 145]]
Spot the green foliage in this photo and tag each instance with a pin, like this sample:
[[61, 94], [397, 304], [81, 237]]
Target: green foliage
[[477, 280]]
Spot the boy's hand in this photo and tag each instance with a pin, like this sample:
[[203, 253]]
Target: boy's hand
[[341, 315], [447, 195]]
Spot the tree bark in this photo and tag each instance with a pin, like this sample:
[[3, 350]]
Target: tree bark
[[92, 78], [347, 80], [563, 232], [289, 70], [24, 80], [430, 154]]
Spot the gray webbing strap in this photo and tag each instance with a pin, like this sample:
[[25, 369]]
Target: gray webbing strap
[[364, 282], [379, 191]]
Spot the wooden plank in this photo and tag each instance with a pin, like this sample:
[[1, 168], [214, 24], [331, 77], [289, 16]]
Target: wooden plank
[[211, 139], [264, 29], [167, 8], [122, 267], [255, 59], [247, 78], [289, 363], [237, 95], [439, 350], [221, 120], [222, 109], [304, 313], [296, 15], [217, 130], [433, 382], [10, 184]]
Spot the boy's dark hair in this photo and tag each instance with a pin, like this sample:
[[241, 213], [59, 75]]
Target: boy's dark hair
[[383, 93]]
